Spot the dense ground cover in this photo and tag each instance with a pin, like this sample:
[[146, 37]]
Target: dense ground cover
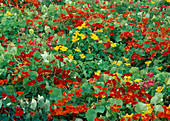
[[85, 60]]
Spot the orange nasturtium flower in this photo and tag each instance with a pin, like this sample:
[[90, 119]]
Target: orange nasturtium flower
[[20, 93], [160, 68], [159, 89]]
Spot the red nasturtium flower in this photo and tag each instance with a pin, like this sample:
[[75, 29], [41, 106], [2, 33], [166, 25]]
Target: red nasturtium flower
[[136, 116], [65, 74], [31, 82], [161, 115], [18, 111], [25, 74], [78, 93], [115, 108]]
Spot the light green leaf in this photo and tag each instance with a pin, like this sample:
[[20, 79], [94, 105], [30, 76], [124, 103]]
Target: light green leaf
[[158, 108], [47, 105], [55, 94], [33, 104], [100, 109], [140, 107], [40, 101], [133, 69], [90, 115], [0, 103]]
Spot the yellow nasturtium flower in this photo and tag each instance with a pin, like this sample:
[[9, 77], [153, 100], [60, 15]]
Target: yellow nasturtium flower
[[83, 25], [100, 41], [70, 57], [57, 48], [116, 73], [159, 89], [149, 109], [8, 13], [148, 62], [63, 48], [119, 63], [94, 36], [152, 2], [82, 56], [97, 73], [128, 116], [127, 64], [113, 45], [76, 33], [114, 62], [75, 38], [77, 49], [125, 59], [89, 50], [83, 36], [138, 80], [99, 30]]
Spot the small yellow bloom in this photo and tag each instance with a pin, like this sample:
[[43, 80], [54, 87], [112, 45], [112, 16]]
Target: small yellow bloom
[[76, 32], [99, 30], [160, 68], [127, 64], [77, 50], [105, 35], [82, 56], [152, 2], [168, 0], [89, 50], [127, 77], [113, 45], [138, 80], [83, 36], [149, 109], [108, 39], [94, 36], [83, 25], [9, 13], [168, 107], [70, 57], [114, 62], [97, 73], [128, 116], [103, 96], [75, 38], [63, 48], [116, 73], [119, 63], [159, 89], [125, 59], [148, 62], [79, 27], [57, 48], [100, 41]]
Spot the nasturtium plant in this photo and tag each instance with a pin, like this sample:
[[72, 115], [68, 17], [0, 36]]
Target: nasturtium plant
[[84, 60]]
